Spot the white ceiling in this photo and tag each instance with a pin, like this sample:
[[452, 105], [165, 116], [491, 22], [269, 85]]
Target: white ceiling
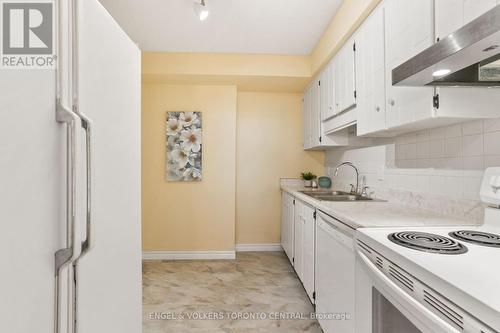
[[290, 27]]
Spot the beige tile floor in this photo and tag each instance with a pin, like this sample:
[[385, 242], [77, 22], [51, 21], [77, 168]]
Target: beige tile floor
[[255, 284]]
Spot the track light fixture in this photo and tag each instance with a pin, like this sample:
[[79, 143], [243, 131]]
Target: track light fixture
[[201, 10]]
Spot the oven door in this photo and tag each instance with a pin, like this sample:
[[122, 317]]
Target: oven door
[[382, 306]]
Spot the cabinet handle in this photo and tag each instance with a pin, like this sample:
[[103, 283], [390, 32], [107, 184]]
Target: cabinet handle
[[377, 108], [392, 102]]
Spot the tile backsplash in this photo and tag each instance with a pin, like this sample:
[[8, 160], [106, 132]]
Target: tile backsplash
[[440, 163]]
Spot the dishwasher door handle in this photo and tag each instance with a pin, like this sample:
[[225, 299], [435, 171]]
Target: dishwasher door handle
[[341, 227]]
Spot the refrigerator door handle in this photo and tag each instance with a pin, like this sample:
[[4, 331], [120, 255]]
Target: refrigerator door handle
[[73, 248], [72, 251], [88, 243]]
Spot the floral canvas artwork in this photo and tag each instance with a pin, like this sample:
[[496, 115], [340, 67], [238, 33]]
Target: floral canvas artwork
[[184, 146]]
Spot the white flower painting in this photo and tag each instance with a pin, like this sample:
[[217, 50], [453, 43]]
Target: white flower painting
[[184, 146]]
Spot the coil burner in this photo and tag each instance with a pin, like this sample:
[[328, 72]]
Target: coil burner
[[427, 242], [477, 237]]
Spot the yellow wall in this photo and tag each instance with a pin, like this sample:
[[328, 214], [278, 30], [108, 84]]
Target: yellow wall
[[277, 73], [189, 216], [251, 139], [258, 72], [269, 147]]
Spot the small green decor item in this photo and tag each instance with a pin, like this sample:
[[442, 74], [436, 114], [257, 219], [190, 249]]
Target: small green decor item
[[308, 177]]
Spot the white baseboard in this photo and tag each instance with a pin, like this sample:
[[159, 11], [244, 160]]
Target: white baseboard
[[258, 247], [188, 255]]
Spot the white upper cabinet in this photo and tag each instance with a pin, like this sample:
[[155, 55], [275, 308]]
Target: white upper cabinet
[[327, 91], [453, 14], [370, 74], [316, 100], [408, 31], [338, 91], [356, 87], [465, 102], [315, 114], [306, 117], [449, 16], [344, 77], [475, 8]]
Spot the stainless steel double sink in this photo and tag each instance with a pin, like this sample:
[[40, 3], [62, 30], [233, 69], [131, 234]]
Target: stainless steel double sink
[[336, 196]]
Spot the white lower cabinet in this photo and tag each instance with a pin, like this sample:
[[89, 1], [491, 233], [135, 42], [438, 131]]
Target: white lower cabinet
[[335, 266], [287, 224], [304, 245], [324, 260]]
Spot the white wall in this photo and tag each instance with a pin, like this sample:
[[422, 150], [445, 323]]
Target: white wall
[[446, 161]]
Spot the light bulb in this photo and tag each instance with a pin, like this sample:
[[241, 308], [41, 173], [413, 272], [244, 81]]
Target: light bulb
[[201, 10], [441, 72]]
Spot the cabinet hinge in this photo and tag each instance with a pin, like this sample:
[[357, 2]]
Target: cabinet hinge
[[355, 93], [314, 215], [320, 139], [435, 101], [354, 47], [314, 295]]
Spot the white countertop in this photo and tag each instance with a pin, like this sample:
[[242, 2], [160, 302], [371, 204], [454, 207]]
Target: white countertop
[[375, 214]]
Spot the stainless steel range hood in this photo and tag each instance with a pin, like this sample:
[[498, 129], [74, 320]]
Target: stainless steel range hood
[[468, 57]]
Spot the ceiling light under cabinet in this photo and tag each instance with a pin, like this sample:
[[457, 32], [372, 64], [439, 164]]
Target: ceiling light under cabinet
[[441, 72]]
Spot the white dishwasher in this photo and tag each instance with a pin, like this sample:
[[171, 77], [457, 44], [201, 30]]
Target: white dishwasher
[[335, 266]]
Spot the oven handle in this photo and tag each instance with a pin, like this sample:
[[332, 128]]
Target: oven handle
[[416, 306]]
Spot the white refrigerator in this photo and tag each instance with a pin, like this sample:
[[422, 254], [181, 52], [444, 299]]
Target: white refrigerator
[[71, 182]]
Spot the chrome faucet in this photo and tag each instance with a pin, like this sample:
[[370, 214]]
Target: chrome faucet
[[353, 190]]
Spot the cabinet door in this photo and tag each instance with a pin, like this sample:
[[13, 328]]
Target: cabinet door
[[308, 250], [449, 16], [370, 75], [315, 114], [344, 77], [453, 14], [299, 239], [327, 92], [349, 80], [306, 115], [408, 31], [287, 225], [338, 83], [475, 8]]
